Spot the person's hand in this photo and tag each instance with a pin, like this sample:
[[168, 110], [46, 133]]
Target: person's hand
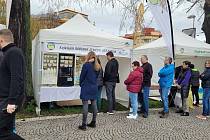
[[11, 108]]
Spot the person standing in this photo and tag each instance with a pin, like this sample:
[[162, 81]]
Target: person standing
[[144, 95], [133, 83], [12, 84], [205, 77], [183, 84], [166, 75], [89, 88], [100, 86], [111, 77], [194, 82], [1, 56]]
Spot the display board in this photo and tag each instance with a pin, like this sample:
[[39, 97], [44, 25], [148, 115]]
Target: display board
[[66, 70], [49, 69]]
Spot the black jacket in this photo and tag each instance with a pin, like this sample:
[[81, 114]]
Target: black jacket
[[12, 75], [1, 56], [195, 75], [100, 78], [111, 71], [205, 77], [148, 72]]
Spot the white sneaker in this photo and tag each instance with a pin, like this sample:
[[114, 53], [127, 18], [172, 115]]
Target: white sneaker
[[131, 109], [132, 116], [110, 113]]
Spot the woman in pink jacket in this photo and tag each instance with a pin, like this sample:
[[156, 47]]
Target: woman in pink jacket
[[134, 83]]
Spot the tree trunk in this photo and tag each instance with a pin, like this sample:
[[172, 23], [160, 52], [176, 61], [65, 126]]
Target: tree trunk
[[206, 23], [20, 26]]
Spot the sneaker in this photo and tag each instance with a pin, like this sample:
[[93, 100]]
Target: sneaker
[[82, 127], [145, 116], [164, 115], [132, 116], [110, 113], [161, 112], [185, 114], [179, 111], [92, 124], [201, 117]]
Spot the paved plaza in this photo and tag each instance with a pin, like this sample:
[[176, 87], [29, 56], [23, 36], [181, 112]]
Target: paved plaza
[[117, 127]]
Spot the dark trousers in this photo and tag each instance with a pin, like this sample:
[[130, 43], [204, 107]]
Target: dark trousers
[[6, 127], [195, 93], [143, 98], [85, 111], [110, 93]]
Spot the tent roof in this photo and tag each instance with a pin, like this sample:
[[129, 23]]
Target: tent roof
[[77, 27], [180, 39], [81, 26]]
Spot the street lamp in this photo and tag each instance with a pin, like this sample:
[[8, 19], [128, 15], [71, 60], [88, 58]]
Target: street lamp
[[192, 17]]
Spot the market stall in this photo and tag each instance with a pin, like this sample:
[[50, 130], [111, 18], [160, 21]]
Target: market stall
[[186, 48], [58, 55]]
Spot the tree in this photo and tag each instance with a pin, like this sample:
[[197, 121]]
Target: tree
[[19, 24], [206, 22]]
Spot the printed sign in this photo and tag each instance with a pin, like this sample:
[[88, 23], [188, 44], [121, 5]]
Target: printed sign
[[83, 50]]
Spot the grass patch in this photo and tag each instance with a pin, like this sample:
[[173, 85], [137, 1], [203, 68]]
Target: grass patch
[[29, 111]]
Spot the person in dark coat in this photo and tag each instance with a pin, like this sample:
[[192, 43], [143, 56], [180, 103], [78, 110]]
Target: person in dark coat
[[1, 56], [205, 77], [183, 84], [111, 77], [89, 88], [195, 83], [12, 84], [144, 94], [134, 83], [100, 83]]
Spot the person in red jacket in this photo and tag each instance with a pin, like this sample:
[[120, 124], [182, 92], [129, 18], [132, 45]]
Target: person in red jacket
[[133, 83]]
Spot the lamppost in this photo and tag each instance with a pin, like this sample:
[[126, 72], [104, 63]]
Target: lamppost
[[192, 17]]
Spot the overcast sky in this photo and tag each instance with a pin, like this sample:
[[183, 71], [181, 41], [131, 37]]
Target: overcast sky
[[108, 19]]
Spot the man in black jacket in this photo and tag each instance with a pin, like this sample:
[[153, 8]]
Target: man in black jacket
[[144, 96], [111, 77], [195, 83], [1, 55], [12, 84]]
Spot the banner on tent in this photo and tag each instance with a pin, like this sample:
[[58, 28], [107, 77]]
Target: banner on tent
[[83, 50]]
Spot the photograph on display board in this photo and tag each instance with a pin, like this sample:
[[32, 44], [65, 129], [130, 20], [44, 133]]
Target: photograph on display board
[[49, 69]]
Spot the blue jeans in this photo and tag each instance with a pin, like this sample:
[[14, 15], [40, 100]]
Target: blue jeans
[[164, 97], [134, 102], [144, 100], [99, 98], [206, 104]]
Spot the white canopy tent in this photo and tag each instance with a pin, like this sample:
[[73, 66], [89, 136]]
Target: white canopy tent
[[186, 48], [77, 36]]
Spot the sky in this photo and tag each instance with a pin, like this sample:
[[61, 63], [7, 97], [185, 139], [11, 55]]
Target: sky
[[108, 19]]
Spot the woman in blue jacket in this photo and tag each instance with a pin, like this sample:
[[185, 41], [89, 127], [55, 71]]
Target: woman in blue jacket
[[89, 88]]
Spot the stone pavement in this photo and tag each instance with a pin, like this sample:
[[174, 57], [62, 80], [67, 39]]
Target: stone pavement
[[117, 127]]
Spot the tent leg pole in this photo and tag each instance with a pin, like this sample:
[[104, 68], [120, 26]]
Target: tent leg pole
[[38, 110]]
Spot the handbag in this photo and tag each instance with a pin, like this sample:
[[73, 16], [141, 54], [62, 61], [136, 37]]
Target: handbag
[[178, 99]]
